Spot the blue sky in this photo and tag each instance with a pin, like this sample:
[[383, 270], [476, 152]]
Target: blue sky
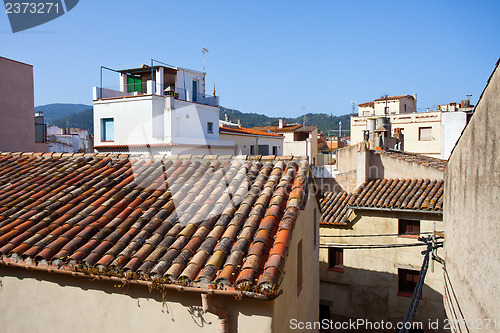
[[271, 57]]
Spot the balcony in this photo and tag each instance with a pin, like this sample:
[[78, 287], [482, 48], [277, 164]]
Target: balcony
[[152, 88]]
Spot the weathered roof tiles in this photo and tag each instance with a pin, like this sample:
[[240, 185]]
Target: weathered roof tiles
[[191, 221], [404, 194]]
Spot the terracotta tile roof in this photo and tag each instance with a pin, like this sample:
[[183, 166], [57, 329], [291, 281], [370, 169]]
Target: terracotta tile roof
[[203, 222], [368, 104], [276, 129], [385, 194], [334, 208], [306, 129], [414, 157], [244, 130], [392, 97]]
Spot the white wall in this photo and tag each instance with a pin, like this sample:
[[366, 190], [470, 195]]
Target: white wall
[[452, 125], [244, 141], [157, 119]]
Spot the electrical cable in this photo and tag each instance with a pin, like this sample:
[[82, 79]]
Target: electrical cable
[[371, 246], [384, 235]]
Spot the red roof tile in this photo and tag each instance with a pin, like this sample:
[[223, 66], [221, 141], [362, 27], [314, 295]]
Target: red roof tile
[[242, 130], [184, 221], [404, 194]]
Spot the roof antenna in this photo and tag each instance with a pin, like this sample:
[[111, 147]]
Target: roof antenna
[[304, 110], [204, 50]]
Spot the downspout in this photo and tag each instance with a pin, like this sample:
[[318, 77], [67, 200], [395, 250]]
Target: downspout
[[219, 312]]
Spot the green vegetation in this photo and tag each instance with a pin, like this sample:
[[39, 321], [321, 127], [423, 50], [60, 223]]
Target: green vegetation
[[81, 116], [83, 120], [323, 121], [56, 111]]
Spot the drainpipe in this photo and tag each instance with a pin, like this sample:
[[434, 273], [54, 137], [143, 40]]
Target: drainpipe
[[219, 312]]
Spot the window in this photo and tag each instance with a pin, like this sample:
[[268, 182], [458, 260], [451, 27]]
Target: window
[[299, 268], [336, 259], [425, 133], [108, 129], [133, 84], [252, 150], [405, 107], [195, 90], [408, 228], [210, 127], [386, 110], [275, 150], [407, 281]]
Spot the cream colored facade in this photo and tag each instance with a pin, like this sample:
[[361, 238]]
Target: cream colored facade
[[368, 286], [32, 301], [430, 133]]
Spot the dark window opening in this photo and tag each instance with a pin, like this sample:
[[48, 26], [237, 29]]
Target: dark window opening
[[409, 228], [407, 281], [275, 150], [336, 259], [299, 268], [210, 127]]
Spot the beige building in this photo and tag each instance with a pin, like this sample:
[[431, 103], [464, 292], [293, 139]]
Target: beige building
[[431, 133], [17, 110], [376, 283], [299, 140], [386, 199], [249, 141], [471, 219], [158, 244]]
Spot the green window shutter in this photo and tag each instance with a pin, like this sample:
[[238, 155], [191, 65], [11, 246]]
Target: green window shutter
[[133, 84]]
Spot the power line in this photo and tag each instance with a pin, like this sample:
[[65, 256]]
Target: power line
[[384, 235], [371, 246], [432, 245]]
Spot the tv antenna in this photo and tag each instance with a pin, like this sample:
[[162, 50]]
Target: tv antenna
[[304, 111], [353, 106], [204, 50]]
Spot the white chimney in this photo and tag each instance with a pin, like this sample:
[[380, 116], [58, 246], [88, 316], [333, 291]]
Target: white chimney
[[239, 122], [227, 117], [281, 123]]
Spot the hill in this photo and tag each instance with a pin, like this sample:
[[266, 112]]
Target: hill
[[56, 111], [83, 119], [81, 116], [323, 121]]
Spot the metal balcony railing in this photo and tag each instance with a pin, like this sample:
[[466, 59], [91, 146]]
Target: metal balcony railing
[[146, 88]]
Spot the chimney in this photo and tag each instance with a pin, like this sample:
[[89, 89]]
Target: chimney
[[281, 123], [415, 96], [239, 123], [226, 117]]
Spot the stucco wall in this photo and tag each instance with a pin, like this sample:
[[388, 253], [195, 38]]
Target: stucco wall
[[243, 143], [45, 302], [471, 218], [304, 305], [156, 119], [17, 129], [355, 164], [368, 287], [410, 124]]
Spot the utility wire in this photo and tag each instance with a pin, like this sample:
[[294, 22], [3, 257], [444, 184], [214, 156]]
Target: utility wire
[[450, 287], [371, 246], [384, 235], [432, 245]]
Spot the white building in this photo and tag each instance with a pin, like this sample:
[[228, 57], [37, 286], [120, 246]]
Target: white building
[[158, 110], [68, 140], [431, 133], [299, 140], [250, 141]]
